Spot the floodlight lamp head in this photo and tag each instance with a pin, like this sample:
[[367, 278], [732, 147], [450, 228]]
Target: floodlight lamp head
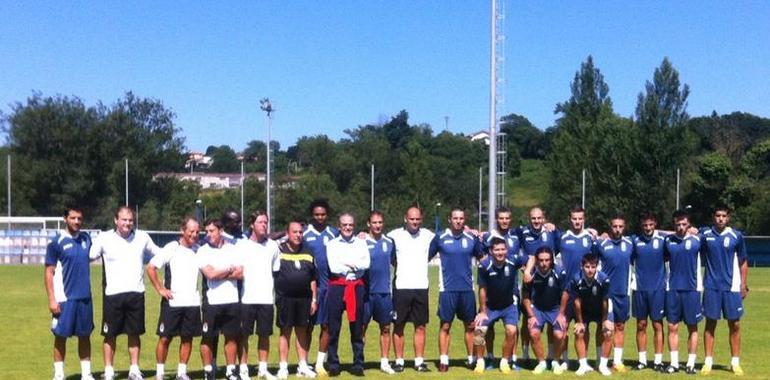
[[265, 105]]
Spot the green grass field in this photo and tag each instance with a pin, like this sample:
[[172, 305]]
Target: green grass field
[[26, 349]]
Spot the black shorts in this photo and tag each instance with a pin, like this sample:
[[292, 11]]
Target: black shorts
[[223, 319], [259, 314], [184, 321], [123, 313], [293, 311], [411, 305]]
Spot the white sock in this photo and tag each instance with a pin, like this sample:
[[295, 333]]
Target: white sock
[[133, 368], [418, 361], [302, 364], [283, 366], [618, 357], [230, 368], [244, 368], [58, 369], [603, 362], [320, 357], [503, 362], [554, 363], [85, 367], [443, 359], [399, 361], [735, 361], [691, 360], [384, 362], [181, 369], [708, 361], [109, 371], [658, 358], [583, 362], [643, 357], [541, 363], [160, 369], [471, 359], [513, 358], [262, 367], [206, 368], [675, 359]]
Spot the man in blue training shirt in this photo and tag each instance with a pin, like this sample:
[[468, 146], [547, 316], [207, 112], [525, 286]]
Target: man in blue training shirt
[[498, 299], [615, 256], [727, 269], [72, 316], [457, 249], [649, 294], [503, 231], [379, 302], [590, 292], [683, 298], [314, 239], [545, 303]]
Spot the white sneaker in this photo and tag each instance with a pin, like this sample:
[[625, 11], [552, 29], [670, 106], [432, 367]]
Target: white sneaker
[[244, 375], [135, 376], [283, 374], [87, 376], [387, 369], [265, 375], [305, 372], [604, 370], [583, 369], [57, 377], [320, 370]]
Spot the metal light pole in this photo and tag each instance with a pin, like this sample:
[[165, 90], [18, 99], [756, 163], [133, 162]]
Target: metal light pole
[[243, 188], [126, 182], [372, 190], [583, 198], [9, 191], [492, 199], [266, 106], [677, 188]]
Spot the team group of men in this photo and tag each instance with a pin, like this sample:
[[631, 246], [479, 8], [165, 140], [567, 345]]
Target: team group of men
[[317, 272]]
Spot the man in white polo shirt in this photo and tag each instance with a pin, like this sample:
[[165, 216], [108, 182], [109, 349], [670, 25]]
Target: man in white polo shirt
[[180, 305], [123, 252], [410, 296], [259, 255], [220, 264]]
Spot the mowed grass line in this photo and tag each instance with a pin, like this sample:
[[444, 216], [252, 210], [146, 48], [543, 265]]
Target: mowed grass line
[[27, 342]]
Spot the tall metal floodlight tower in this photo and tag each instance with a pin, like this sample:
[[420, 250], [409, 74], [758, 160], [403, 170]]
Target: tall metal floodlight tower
[[266, 106], [496, 88]]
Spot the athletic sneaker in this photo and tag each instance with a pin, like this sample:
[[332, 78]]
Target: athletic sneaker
[[443, 367], [479, 366], [672, 369], [244, 375], [540, 369], [57, 377], [283, 374], [209, 375], [385, 367], [183, 377], [265, 375], [504, 367], [398, 368], [737, 370], [583, 369], [357, 371], [87, 377], [135, 376], [320, 370], [232, 376], [689, 370], [305, 371], [604, 370], [620, 368], [659, 367], [558, 369], [640, 366], [706, 369], [422, 368]]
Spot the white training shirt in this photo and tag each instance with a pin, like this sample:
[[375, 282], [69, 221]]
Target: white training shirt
[[123, 260], [183, 269], [348, 258], [411, 257], [220, 291], [259, 260]]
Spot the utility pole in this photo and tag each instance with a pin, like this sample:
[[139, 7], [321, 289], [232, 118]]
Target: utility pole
[[266, 106]]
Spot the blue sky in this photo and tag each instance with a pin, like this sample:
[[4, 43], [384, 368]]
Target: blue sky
[[333, 65]]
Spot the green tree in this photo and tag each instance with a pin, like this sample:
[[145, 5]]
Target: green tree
[[224, 159]]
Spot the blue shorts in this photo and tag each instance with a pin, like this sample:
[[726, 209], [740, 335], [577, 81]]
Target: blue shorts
[[717, 303], [462, 304], [379, 306], [319, 318], [619, 307], [546, 316], [509, 316], [76, 319], [683, 305], [649, 304]]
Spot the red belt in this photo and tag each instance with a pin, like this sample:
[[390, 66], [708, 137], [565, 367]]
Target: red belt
[[349, 296]]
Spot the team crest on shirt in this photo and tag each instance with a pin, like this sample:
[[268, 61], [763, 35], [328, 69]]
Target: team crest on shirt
[[326, 239], [688, 244], [655, 244], [623, 246], [384, 246], [465, 243], [550, 282], [507, 271], [585, 242], [543, 236], [83, 244], [726, 242], [205, 327], [394, 315], [297, 265], [105, 328], [161, 327]]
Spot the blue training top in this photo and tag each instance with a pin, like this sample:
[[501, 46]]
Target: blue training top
[[647, 259], [500, 282], [72, 252], [615, 256], [456, 253], [683, 255], [723, 253], [315, 242], [381, 253]]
